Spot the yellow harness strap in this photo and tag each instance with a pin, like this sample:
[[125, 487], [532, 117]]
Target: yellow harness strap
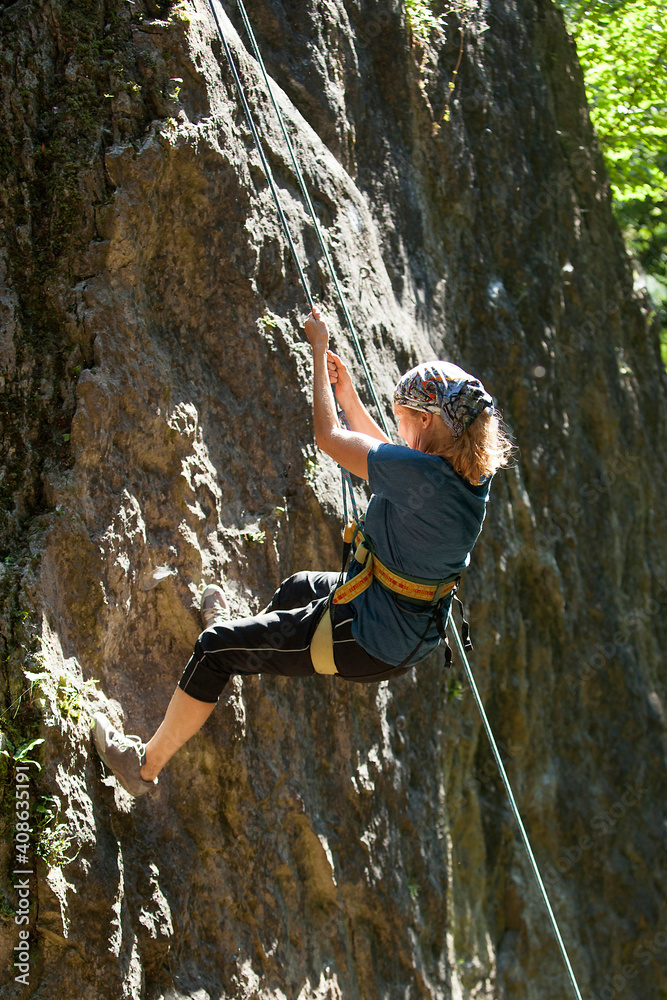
[[348, 591], [321, 645], [374, 568]]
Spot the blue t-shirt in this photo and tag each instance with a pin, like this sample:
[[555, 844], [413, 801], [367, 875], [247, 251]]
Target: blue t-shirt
[[423, 520]]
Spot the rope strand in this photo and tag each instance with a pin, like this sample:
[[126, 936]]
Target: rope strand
[[262, 156], [311, 211], [346, 481]]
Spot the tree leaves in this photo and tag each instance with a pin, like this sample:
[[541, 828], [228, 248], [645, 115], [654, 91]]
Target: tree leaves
[[622, 47]]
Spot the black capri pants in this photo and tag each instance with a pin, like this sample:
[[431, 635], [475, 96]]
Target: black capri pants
[[277, 641]]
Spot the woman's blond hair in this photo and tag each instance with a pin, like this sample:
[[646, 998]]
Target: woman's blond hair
[[482, 449], [478, 453]]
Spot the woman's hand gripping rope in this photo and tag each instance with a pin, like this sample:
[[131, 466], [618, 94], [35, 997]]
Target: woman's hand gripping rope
[[340, 379], [316, 331], [347, 448], [318, 337]]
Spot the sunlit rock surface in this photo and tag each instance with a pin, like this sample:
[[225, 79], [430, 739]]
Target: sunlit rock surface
[[317, 839]]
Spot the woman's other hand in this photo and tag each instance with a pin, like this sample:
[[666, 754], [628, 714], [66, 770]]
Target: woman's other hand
[[316, 330], [340, 379]]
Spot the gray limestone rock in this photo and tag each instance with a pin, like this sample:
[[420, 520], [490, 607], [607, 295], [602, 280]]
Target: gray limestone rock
[[318, 840]]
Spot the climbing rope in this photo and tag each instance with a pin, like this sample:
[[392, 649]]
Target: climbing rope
[[347, 483], [260, 149], [346, 479], [311, 211]]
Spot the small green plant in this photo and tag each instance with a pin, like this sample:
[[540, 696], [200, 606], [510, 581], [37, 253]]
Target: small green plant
[[71, 698], [54, 840], [454, 690], [19, 753], [46, 810], [311, 469], [174, 88], [255, 535], [421, 18], [181, 13], [413, 889], [269, 321]]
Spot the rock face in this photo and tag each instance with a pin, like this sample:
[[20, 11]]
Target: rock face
[[318, 839]]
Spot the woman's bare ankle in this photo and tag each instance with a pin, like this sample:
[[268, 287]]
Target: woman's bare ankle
[[149, 769]]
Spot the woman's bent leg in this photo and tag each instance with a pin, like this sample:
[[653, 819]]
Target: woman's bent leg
[[277, 642], [352, 661]]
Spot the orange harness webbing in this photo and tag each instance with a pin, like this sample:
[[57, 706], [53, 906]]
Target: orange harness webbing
[[412, 588]]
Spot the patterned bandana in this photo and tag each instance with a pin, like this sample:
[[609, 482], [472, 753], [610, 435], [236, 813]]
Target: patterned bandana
[[440, 387]]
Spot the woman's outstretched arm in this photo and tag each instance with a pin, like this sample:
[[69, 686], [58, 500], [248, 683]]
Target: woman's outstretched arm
[[348, 448]]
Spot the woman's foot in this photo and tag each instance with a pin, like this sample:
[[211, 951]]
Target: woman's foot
[[123, 755], [213, 606]]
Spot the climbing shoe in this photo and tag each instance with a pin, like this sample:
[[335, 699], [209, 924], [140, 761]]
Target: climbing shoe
[[123, 755], [213, 606]]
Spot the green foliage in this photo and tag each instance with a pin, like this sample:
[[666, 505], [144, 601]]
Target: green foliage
[[269, 322], [256, 535], [622, 47], [623, 51], [454, 689], [19, 753], [54, 840], [311, 470], [421, 18], [71, 699], [413, 889]]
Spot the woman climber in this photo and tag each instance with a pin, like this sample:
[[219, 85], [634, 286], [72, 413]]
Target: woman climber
[[424, 517]]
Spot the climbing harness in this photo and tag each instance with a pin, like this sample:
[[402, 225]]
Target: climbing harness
[[422, 593], [322, 643], [414, 589]]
